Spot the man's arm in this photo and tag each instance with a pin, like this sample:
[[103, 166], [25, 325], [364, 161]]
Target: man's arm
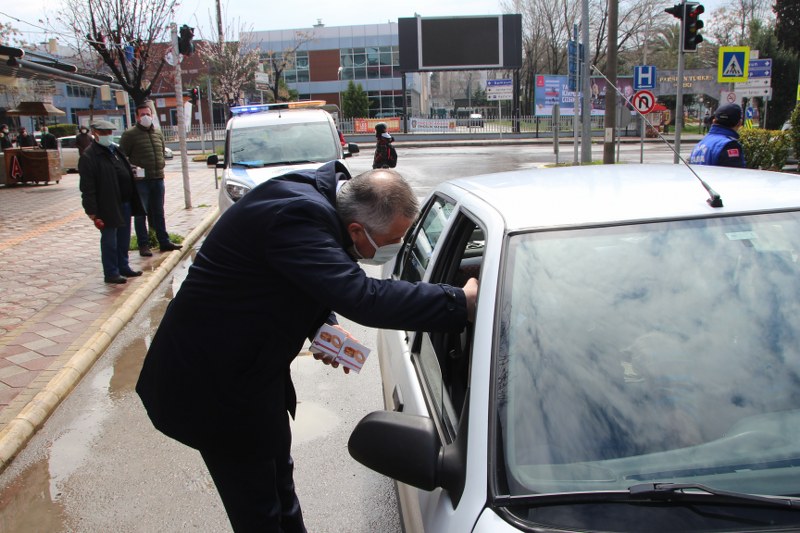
[[731, 155]]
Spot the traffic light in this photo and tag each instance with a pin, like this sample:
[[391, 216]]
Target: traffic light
[[676, 11], [194, 95], [691, 26], [185, 45]]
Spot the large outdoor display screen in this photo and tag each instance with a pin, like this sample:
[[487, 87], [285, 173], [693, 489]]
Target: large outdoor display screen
[[460, 43]]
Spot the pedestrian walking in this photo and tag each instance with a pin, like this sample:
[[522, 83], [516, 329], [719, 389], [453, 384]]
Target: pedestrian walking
[[109, 198], [271, 272], [385, 154], [721, 146], [143, 144], [83, 140]]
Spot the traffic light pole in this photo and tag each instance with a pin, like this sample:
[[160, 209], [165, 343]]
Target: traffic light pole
[[679, 96], [187, 189]]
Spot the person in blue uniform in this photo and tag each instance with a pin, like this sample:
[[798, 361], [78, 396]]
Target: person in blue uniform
[[272, 271], [721, 146]]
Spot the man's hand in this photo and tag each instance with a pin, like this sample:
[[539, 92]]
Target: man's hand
[[328, 360], [471, 292]]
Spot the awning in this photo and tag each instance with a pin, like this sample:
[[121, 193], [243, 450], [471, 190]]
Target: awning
[[35, 109]]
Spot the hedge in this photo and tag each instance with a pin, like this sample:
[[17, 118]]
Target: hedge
[[766, 149]]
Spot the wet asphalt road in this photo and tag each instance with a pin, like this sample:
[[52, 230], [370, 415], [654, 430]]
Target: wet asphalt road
[[98, 465]]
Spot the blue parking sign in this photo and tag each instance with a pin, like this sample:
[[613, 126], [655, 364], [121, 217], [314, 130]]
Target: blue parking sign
[[644, 77]]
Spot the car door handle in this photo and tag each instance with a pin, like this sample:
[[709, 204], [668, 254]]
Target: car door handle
[[397, 399]]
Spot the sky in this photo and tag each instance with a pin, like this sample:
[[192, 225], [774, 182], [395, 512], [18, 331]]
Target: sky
[[292, 14]]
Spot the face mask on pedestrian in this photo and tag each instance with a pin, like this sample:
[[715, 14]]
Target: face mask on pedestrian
[[383, 254], [146, 121], [104, 140]]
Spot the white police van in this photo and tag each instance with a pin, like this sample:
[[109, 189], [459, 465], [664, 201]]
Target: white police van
[[268, 140]]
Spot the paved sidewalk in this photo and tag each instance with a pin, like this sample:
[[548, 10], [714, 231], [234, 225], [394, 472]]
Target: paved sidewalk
[[57, 315]]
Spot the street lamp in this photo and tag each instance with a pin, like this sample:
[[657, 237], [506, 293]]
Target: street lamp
[[339, 88]]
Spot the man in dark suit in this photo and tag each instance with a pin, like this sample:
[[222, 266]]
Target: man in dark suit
[[270, 273]]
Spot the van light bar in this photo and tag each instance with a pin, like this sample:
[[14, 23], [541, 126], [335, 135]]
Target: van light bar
[[260, 108]]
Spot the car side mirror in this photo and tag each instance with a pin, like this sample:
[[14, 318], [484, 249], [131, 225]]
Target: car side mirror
[[212, 161], [352, 148], [400, 446]]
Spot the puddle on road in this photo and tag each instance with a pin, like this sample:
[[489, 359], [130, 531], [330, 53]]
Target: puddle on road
[[30, 503], [26, 505], [312, 422]]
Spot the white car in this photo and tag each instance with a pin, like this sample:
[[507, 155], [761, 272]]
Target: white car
[[69, 154], [634, 364], [264, 141]]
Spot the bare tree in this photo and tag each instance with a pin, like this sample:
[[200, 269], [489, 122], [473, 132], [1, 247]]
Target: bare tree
[[123, 33], [231, 66], [280, 61], [730, 25]]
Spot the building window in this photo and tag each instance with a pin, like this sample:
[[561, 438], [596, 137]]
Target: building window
[[371, 62], [297, 71]]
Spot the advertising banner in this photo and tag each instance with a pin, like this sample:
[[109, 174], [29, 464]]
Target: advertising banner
[[553, 89], [367, 125], [432, 124]]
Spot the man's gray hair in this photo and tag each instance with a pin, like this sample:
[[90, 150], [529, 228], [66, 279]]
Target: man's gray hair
[[375, 199]]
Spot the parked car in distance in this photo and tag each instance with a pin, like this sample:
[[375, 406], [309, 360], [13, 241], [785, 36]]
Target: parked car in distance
[[264, 141], [69, 154], [633, 364]]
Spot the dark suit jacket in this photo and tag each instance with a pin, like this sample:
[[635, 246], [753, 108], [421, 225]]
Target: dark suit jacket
[[266, 278]]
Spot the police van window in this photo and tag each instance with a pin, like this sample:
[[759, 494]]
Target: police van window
[[416, 255]]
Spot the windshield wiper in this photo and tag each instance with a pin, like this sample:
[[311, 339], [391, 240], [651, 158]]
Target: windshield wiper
[[696, 491], [673, 492]]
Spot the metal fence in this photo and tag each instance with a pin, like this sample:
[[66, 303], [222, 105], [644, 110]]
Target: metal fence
[[529, 125]]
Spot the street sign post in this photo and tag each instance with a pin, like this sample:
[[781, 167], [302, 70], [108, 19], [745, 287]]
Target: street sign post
[[644, 77], [733, 64], [502, 89], [643, 101]]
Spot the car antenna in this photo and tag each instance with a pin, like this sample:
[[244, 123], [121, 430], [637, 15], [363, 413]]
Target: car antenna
[[714, 199]]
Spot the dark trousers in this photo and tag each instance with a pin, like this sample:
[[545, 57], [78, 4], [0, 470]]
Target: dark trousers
[[151, 193], [257, 491], [114, 244]]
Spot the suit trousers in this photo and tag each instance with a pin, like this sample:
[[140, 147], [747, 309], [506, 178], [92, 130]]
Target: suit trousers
[[257, 491]]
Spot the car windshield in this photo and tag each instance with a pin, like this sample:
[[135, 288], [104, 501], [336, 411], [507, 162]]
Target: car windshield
[[663, 352], [283, 143]]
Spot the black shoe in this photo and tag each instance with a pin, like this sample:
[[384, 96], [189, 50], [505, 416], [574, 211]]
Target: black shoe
[[115, 279], [170, 246], [132, 273], [144, 251]]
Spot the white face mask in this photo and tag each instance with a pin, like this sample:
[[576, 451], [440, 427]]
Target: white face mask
[[104, 140], [383, 254], [146, 121]]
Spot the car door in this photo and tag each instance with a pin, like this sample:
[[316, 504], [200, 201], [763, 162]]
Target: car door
[[431, 378]]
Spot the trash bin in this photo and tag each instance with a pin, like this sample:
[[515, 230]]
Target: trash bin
[[31, 165]]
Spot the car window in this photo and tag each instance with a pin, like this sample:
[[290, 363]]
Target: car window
[[663, 352], [283, 143], [443, 359], [419, 247], [67, 142]]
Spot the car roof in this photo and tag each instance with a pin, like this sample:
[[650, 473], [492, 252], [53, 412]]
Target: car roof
[[607, 194], [285, 116]]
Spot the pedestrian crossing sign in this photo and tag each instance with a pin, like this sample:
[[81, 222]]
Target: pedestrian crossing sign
[[734, 62]]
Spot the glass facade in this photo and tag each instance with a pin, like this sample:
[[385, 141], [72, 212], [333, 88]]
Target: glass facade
[[297, 71], [370, 62]]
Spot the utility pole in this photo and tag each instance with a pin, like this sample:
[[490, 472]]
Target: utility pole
[[610, 119], [586, 89], [187, 189]]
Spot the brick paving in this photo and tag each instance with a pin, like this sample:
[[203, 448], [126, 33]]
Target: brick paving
[[52, 296]]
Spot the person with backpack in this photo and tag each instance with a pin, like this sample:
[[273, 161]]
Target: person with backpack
[[385, 154]]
